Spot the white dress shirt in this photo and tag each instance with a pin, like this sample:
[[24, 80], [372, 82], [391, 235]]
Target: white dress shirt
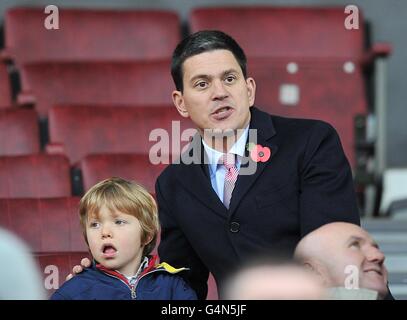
[[217, 171]]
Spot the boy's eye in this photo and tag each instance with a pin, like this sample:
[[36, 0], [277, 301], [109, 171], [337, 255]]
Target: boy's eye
[[94, 224], [120, 222]]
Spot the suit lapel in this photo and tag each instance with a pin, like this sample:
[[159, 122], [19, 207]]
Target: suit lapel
[[261, 122], [195, 177]]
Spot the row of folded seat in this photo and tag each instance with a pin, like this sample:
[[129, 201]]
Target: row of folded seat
[[330, 92], [118, 35], [78, 131], [49, 176], [305, 62]]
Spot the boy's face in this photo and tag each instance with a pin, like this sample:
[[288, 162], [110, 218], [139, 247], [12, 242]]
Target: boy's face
[[216, 95], [115, 240]]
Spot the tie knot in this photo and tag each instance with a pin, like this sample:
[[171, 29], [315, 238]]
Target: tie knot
[[228, 160]]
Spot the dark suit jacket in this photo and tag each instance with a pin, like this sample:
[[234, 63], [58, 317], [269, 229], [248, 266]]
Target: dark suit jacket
[[307, 182]]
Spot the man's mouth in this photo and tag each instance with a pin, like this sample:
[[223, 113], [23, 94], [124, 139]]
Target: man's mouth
[[222, 113], [108, 250], [373, 270]]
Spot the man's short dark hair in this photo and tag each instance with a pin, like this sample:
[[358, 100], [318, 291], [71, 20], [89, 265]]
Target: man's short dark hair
[[204, 41]]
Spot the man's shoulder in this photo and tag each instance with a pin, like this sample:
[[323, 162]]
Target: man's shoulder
[[285, 123], [292, 128], [169, 172]]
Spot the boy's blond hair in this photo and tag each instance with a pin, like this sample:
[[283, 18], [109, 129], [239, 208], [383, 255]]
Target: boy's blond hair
[[127, 197]]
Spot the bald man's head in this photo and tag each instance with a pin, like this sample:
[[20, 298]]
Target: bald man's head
[[274, 282], [344, 255]]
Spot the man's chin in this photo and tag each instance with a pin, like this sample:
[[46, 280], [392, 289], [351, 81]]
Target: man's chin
[[219, 132], [380, 288]]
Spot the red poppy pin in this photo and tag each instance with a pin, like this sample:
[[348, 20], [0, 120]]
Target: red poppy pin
[[258, 153]]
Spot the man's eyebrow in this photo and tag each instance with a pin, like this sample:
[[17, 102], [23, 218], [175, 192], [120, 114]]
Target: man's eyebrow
[[200, 76], [206, 76], [229, 71], [360, 239], [355, 238]]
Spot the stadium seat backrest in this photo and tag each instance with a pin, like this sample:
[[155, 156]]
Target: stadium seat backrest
[[34, 176], [327, 91], [128, 166], [54, 267], [119, 84], [5, 87], [19, 132], [212, 289], [90, 35], [97, 130], [46, 225], [285, 31]]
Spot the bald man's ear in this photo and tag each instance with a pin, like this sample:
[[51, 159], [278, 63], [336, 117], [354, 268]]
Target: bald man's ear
[[319, 270]]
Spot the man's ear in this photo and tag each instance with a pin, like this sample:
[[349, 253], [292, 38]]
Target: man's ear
[[251, 90], [319, 270], [179, 103]]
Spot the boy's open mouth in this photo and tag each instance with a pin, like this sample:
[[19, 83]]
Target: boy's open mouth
[[109, 250]]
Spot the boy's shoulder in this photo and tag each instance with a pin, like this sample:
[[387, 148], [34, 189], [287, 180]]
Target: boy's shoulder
[[166, 282], [86, 285]]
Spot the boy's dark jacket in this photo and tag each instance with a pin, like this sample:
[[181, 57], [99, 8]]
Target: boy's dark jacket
[[156, 282]]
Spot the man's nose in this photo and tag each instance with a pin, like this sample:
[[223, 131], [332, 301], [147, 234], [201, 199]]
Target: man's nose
[[219, 90], [375, 254]]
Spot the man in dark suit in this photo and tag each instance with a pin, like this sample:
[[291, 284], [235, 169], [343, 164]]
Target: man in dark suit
[[217, 212]]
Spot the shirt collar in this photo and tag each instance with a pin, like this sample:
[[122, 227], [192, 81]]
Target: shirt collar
[[143, 265], [214, 155]]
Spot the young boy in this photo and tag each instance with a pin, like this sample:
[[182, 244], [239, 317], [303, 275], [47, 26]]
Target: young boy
[[120, 224]]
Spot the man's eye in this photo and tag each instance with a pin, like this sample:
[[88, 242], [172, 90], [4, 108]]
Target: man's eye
[[230, 79], [354, 244], [201, 84]]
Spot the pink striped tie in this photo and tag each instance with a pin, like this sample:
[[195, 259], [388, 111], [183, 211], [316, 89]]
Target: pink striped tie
[[230, 177]]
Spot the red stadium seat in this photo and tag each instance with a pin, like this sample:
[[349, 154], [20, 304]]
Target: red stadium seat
[[284, 32], [19, 132], [328, 92], [46, 225], [212, 289], [81, 131], [5, 87], [34, 176], [90, 35], [128, 166], [105, 84], [56, 266]]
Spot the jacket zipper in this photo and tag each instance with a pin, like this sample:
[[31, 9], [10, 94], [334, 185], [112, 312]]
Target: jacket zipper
[[133, 286], [133, 290]]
